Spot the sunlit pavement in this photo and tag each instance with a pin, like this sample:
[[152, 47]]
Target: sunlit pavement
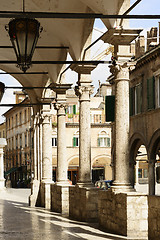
[[19, 221]]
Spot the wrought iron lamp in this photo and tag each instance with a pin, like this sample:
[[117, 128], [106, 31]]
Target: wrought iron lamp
[[24, 34]]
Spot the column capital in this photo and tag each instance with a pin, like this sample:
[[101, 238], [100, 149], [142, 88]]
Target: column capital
[[60, 106], [84, 92], [121, 70], [45, 118]]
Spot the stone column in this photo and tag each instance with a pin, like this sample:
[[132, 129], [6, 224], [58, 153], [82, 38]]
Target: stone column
[[121, 73], [84, 90], [46, 147], [2, 180], [151, 176], [35, 183], [60, 106], [62, 165]]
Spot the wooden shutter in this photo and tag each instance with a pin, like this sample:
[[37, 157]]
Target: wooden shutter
[[151, 93], [110, 108], [131, 101], [74, 142], [74, 109], [98, 142]]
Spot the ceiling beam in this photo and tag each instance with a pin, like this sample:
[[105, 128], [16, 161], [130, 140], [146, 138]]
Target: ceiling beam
[[23, 105], [41, 47], [87, 62], [18, 14], [28, 73]]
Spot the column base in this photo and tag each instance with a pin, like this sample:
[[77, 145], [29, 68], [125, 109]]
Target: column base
[[63, 183], [122, 187], [45, 193], [2, 184], [34, 197], [124, 213], [83, 203], [60, 199]]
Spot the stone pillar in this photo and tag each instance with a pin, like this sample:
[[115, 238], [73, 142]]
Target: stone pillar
[[151, 177], [35, 183], [60, 106], [136, 173], [46, 160], [62, 165], [2, 180], [121, 73], [84, 90], [46, 147]]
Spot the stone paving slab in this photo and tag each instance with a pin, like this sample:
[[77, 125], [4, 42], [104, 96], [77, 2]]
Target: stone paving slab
[[18, 221]]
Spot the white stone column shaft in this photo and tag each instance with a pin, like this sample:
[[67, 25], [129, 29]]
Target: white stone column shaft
[[121, 71], [35, 148], [84, 136], [2, 179], [62, 165], [46, 148]]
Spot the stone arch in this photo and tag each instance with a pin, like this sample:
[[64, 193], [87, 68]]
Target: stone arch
[[103, 161], [154, 144], [73, 161], [154, 150], [136, 140]]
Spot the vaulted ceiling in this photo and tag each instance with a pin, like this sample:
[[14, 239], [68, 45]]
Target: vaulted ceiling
[[73, 33]]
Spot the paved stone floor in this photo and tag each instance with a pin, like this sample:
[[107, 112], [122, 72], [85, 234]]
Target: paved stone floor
[[20, 222]]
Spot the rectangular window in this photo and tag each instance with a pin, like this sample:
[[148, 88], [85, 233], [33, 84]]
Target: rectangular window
[[138, 98], [151, 93], [25, 140], [139, 173], [145, 173], [108, 142], [25, 115], [74, 109], [20, 118], [54, 142], [102, 142], [16, 120], [76, 142]]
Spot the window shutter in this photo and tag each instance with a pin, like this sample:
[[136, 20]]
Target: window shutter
[[131, 103], [139, 98], [74, 109], [110, 108], [151, 93], [74, 142], [108, 142], [98, 142]]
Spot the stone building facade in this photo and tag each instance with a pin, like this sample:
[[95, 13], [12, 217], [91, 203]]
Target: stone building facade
[[19, 149], [145, 108], [19, 135], [100, 139]]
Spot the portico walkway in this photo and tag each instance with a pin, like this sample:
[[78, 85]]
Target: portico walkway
[[18, 221]]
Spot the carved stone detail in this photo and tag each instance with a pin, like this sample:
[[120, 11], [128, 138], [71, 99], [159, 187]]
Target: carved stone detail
[[121, 69]]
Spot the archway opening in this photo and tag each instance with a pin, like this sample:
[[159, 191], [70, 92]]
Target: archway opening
[[141, 170]]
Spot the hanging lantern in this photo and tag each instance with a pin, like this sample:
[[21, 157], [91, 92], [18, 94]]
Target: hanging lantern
[[2, 87], [24, 34]]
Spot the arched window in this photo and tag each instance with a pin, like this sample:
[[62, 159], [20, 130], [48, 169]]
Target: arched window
[[103, 139], [76, 139]]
